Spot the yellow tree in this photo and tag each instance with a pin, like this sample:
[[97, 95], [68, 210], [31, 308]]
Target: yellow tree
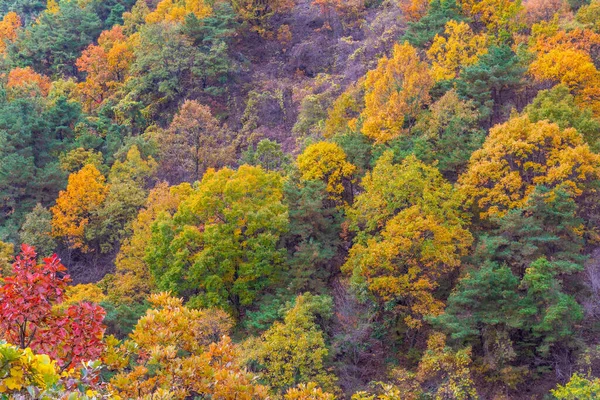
[[447, 370], [132, 281], [9, 27], [395, 93], [519, 155], [459, 47], [327, 162], [181, 352], [285, 366], [75, 206], [345, 110], [177, 10], [411, 233], [573, 68], [307, 391], [499, 16]]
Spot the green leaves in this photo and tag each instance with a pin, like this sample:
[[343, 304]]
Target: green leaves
[[221, 246]]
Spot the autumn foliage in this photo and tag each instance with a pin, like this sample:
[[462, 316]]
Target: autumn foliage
[[28, 316]]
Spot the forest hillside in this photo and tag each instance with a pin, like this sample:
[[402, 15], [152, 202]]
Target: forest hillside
[[300, 199]]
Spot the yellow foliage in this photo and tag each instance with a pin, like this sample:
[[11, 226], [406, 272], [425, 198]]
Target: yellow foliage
[[412, 233], [497, 15], [178, 356], [308, 391], [327, 162], [83, 292], [132, 281], [71, 215], [177, 10], [395, 93], [8, 29], [344, 112], [448, 369], [21, 369], [519, 155], [573, 68], [459, 47], [170, 324]]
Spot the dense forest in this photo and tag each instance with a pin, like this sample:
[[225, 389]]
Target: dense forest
[[300, 199]]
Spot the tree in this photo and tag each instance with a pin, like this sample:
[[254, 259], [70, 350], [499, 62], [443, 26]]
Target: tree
[[395, 92], [257, 13], [519, 155], [106, 66], [485, 297], [76, 205], [421, 236], [460, 47], [126, 194], [501, 17], [492, 81], [176, 355], [547, 226], [221, 247], [550, 313], [37, 230], [28, 316], [449, 368], [573, 68], [308, 391], [268, 155], [447, 133], [25, 81], [285, 366], [420, 33], [133, 282], [578, 387], [326, 162], [178, 10], [557, 105], [193, 143], [313, 237], [9, 27], [33, 131], [53, 44]]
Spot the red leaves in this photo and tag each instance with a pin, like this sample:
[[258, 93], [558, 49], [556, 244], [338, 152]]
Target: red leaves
[[28, 316]]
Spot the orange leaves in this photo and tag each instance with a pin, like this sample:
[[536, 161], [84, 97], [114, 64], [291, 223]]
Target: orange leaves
[[8, 29], [396, 91], [74, 207], [106, 66], [27, 81], [565, 57], [519, 155], [183, 352]]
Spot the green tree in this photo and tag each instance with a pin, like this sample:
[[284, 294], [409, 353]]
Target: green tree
[[53, 44], [313, 237], [37, 230], [492, 81], [221, 246], [284, 366], [448, 133], [558, 105], [421, 33]]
